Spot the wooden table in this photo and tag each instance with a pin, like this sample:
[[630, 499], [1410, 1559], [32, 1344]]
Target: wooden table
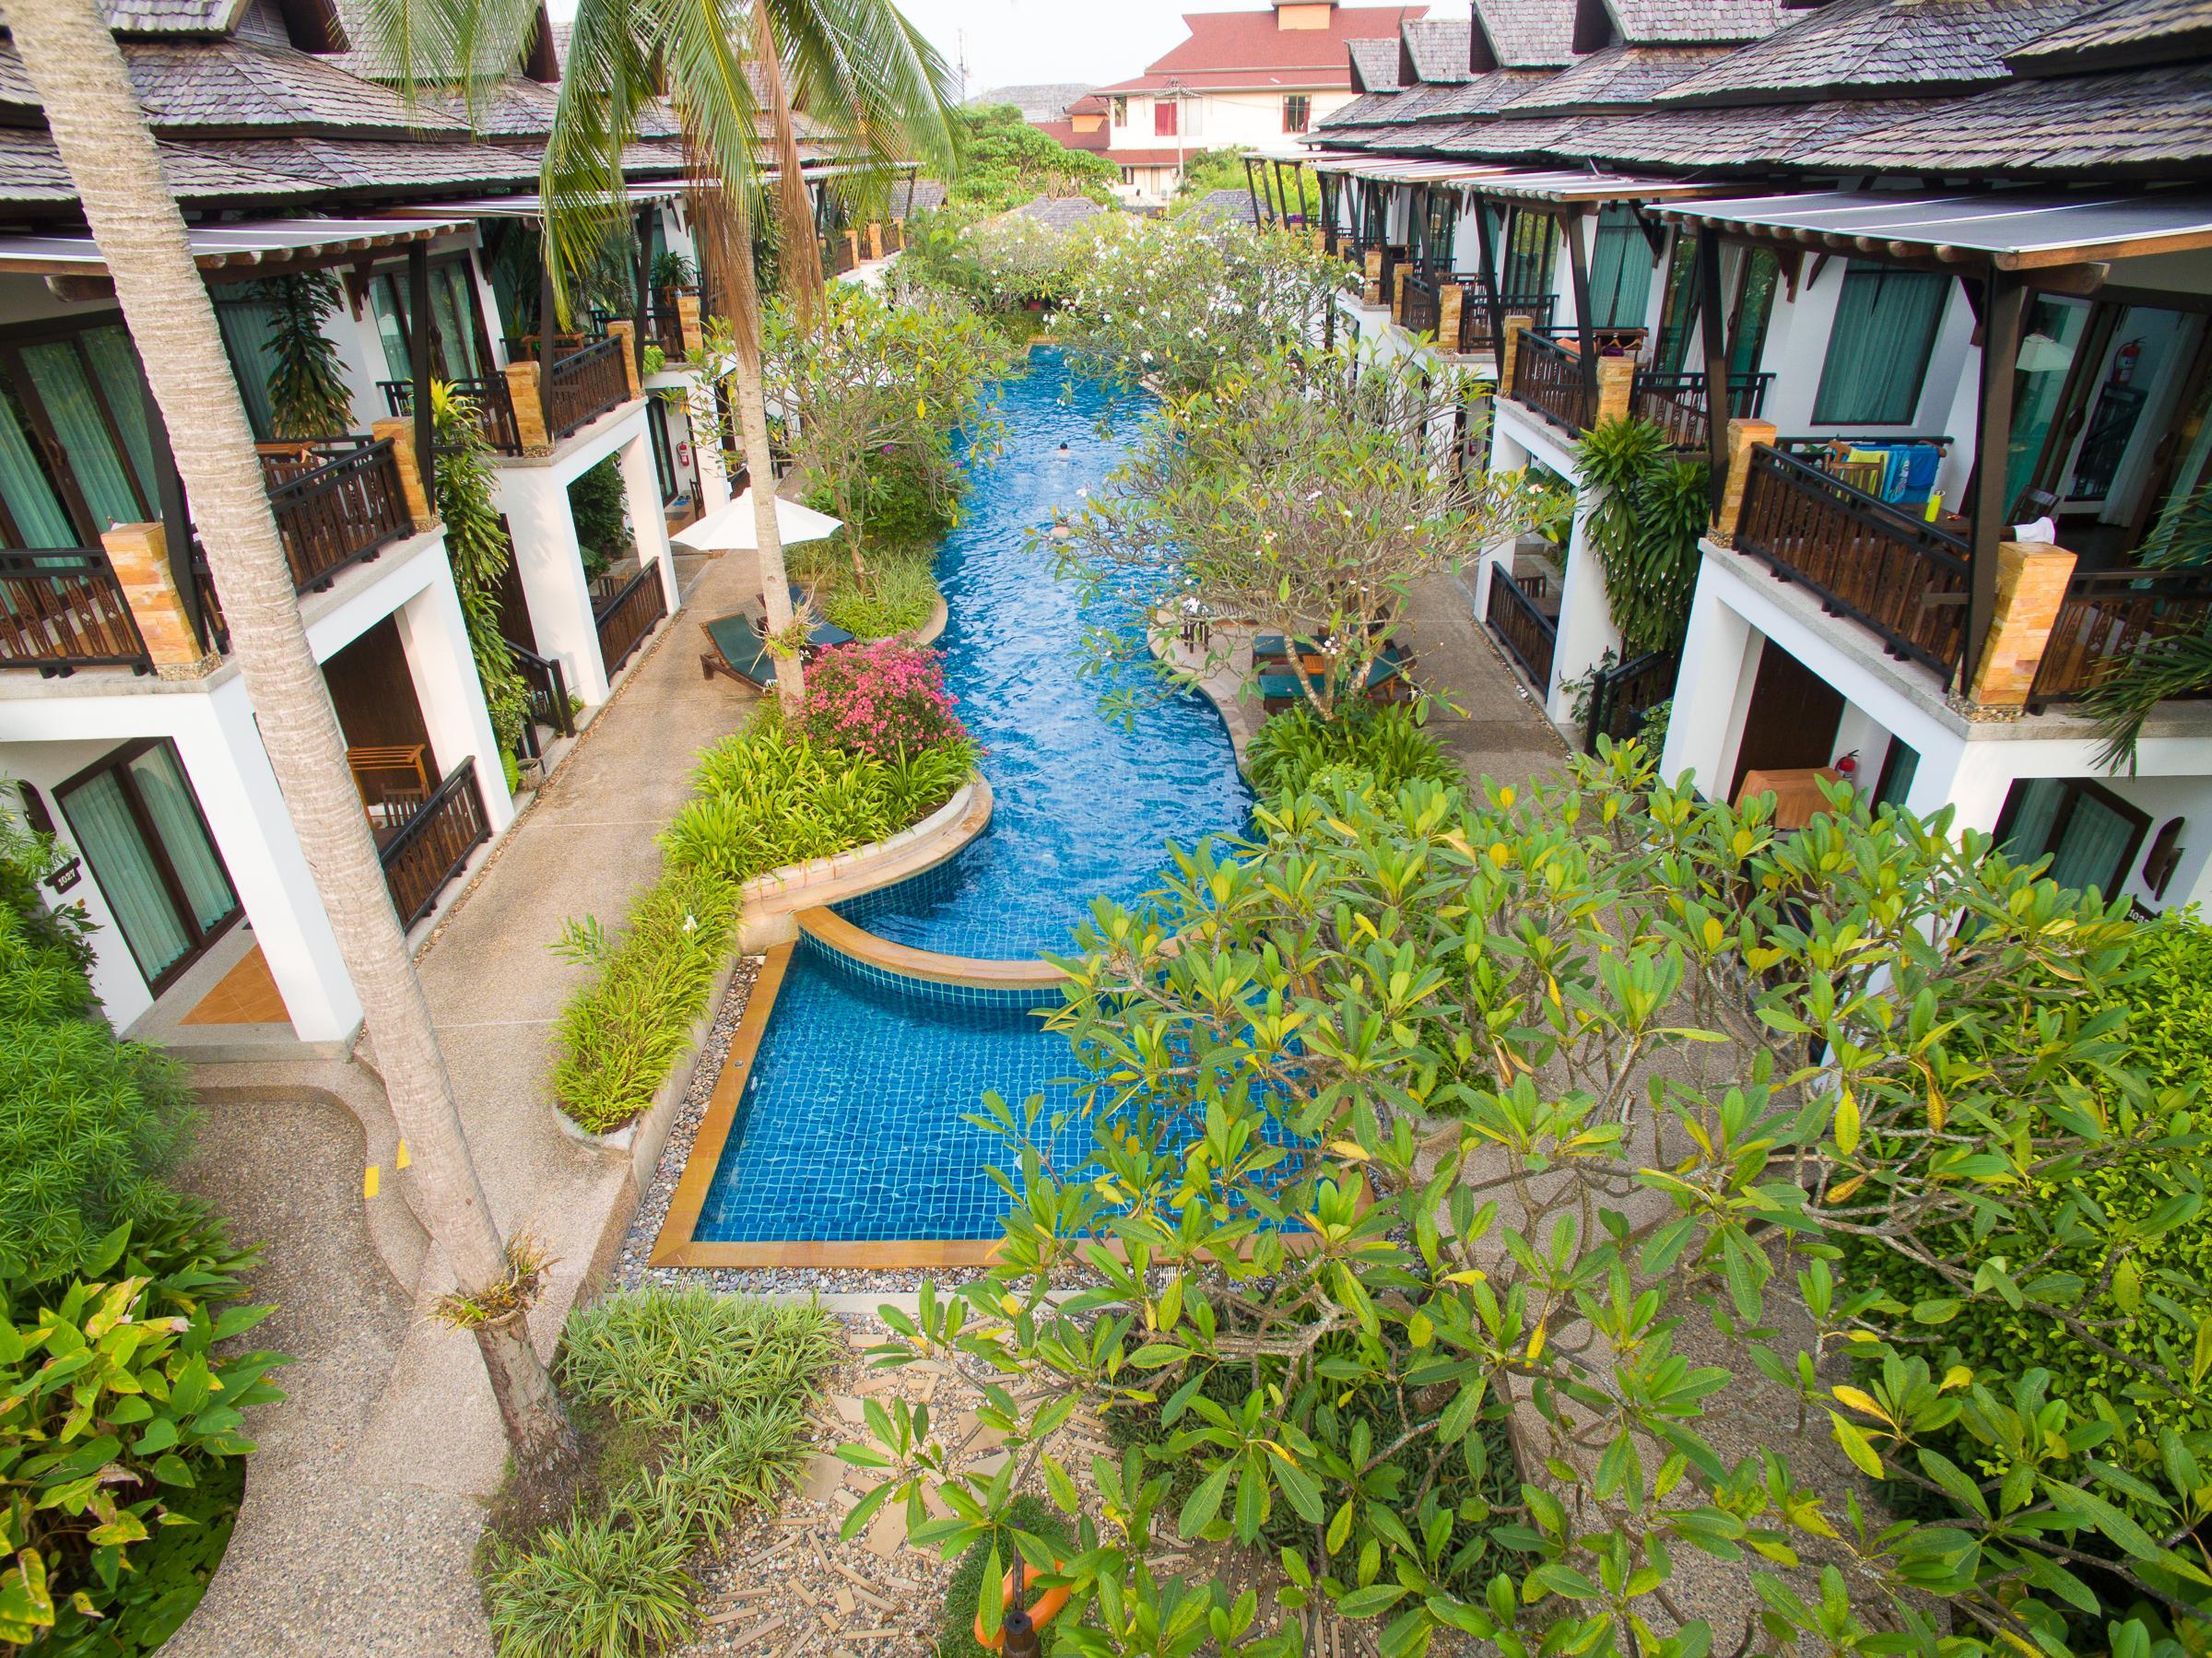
[[1798, 797]]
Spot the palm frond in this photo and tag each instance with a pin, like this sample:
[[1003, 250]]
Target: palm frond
[[436, 46], [865, 72]]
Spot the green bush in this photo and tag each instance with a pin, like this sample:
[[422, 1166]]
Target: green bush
[[87, 1123], [114, 1408], [900, 595], [762, 798], [621, 1034], [597, 504], [1030, 1514], [1295, 751], [720, 1388]]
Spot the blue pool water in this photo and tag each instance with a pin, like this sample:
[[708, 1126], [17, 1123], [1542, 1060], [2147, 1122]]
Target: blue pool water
[[851, 1122]]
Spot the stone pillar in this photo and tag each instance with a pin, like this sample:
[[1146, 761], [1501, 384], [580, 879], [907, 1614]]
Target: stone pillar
[[1448, 307], [1616, 380], [2032, 585], [529, 411], [1743, 435], [875, 239], [421, 508], [627, 332], [687, 322], [852, 249], [1371, 293], [139, 555], [1509, 351], [1397, 296]]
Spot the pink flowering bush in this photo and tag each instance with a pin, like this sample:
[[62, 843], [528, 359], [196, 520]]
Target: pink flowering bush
[[882, 699]]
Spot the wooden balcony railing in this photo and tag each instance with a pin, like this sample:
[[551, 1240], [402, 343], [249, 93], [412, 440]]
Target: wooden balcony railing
[[1424, 302], [665, 323], [1475, 314], [1549, 379], [1528, 635], [488, 396], [625, 608], [2109, 615], [63, 609], [337, 504], [1902, 578], [586, 385], [1620, 696], [549, 687], [1677, 403], [432, 846]]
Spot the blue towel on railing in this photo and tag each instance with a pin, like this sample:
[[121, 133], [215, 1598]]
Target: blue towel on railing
[[1909, 478]]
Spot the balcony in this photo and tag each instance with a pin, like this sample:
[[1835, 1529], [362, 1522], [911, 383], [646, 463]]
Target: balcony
[[626, 604], [586, 383], [63, 610], [488, 396], [1677, 404], [1474, 313], [1548, 378], [1905, 579], [2109, 615], [427, 847], [338, 504]]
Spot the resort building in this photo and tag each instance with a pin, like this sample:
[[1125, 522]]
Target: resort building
[[1244, 79], [321, 205], [1953, 262]]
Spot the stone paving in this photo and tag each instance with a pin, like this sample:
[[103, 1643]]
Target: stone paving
[[1498, 729]]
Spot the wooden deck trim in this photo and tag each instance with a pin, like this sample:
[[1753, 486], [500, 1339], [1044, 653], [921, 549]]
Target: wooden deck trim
[[840, 934]]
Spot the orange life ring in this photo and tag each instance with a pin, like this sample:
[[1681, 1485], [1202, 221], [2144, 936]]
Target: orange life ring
[[1042, 1613]]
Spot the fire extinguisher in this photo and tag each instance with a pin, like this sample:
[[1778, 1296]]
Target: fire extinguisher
[[2123, 364]]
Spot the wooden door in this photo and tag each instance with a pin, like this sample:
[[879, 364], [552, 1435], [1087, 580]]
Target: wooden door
[[1793, 719]]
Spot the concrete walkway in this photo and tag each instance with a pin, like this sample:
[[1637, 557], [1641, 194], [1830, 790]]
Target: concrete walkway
[[365, 1503], [1498, 729]]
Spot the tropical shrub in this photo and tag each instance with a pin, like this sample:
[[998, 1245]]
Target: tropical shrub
[[1175, 303], [1005, 162], [901, 595], [1368, 746], [480, 551], [880, 699], [1651, 509], [1568, 1094], [621, 1035], [308, 395], [597, 504], [114, 1408], [1012, 270], [1299, 491], [712, 1393], [88, 1124]]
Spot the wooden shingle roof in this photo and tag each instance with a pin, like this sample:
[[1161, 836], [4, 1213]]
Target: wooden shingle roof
[[1435, 49], [1365, 110], [1527, 34], [1487, 94], [2123, 34], [205, 18], [1375, 65], [1399, 108], [2133, 123], [1695, 22], [1617, 75], [1877, 47]]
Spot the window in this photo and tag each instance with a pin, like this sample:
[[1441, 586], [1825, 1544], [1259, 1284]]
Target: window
[[1163, 117], [1620, 269], [2088, 832], [1676, 306], [1129, 176], [1532, 241], [136, 819], [1900, 767], [1878, 348], [1298, 113], [453, 321], [1121, 111], [76, 446], [1754, 306]]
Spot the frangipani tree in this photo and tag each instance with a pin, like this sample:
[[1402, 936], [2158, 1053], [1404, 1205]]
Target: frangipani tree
[[1486, 1212], [1301, 491]]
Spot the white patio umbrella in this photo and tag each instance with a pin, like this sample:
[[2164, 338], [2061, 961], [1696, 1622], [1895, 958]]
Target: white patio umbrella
[[731, 528]]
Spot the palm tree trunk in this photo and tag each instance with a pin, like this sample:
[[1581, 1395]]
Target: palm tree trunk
[[74, 63], [799, 258]]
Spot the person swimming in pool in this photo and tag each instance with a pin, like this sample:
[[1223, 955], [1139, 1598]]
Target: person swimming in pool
[[1063, 454]]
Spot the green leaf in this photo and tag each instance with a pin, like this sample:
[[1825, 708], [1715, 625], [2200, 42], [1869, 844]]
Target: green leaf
[[1857, 1447], [1205, 1503]]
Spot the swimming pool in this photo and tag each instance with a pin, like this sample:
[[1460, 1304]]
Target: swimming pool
[[852, 1123]]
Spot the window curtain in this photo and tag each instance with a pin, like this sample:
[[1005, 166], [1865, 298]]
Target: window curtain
[[391, 329], [248, 328], [449, 308], [1673, 345], [39, 517], [2092, 847], [73, 406], [1528, 260], [1620, 269], [1754, 306], [1877, 350], [176, 819], [99, 817]]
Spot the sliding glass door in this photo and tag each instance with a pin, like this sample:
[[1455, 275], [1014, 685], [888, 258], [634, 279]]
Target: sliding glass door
[[134, 818], [2090, 832], [77, 448]]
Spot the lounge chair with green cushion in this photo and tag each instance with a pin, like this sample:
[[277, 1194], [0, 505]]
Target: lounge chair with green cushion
[[736, 650]]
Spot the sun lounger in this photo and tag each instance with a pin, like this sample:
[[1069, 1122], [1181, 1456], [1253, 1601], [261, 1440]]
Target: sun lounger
[[736, 650]]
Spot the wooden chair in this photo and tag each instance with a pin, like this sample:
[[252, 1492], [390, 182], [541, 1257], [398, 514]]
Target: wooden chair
[[404, 768]]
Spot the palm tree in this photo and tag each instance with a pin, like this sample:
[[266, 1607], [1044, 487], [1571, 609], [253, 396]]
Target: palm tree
[[858, 63], [74, 63]]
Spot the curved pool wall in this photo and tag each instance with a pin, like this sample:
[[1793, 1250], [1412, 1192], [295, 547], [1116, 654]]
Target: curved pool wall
[[1085, 801], [852, 1123]]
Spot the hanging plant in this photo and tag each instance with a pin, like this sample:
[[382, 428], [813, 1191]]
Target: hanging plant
[[1650, 508], [477, 546], [308, 395]]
